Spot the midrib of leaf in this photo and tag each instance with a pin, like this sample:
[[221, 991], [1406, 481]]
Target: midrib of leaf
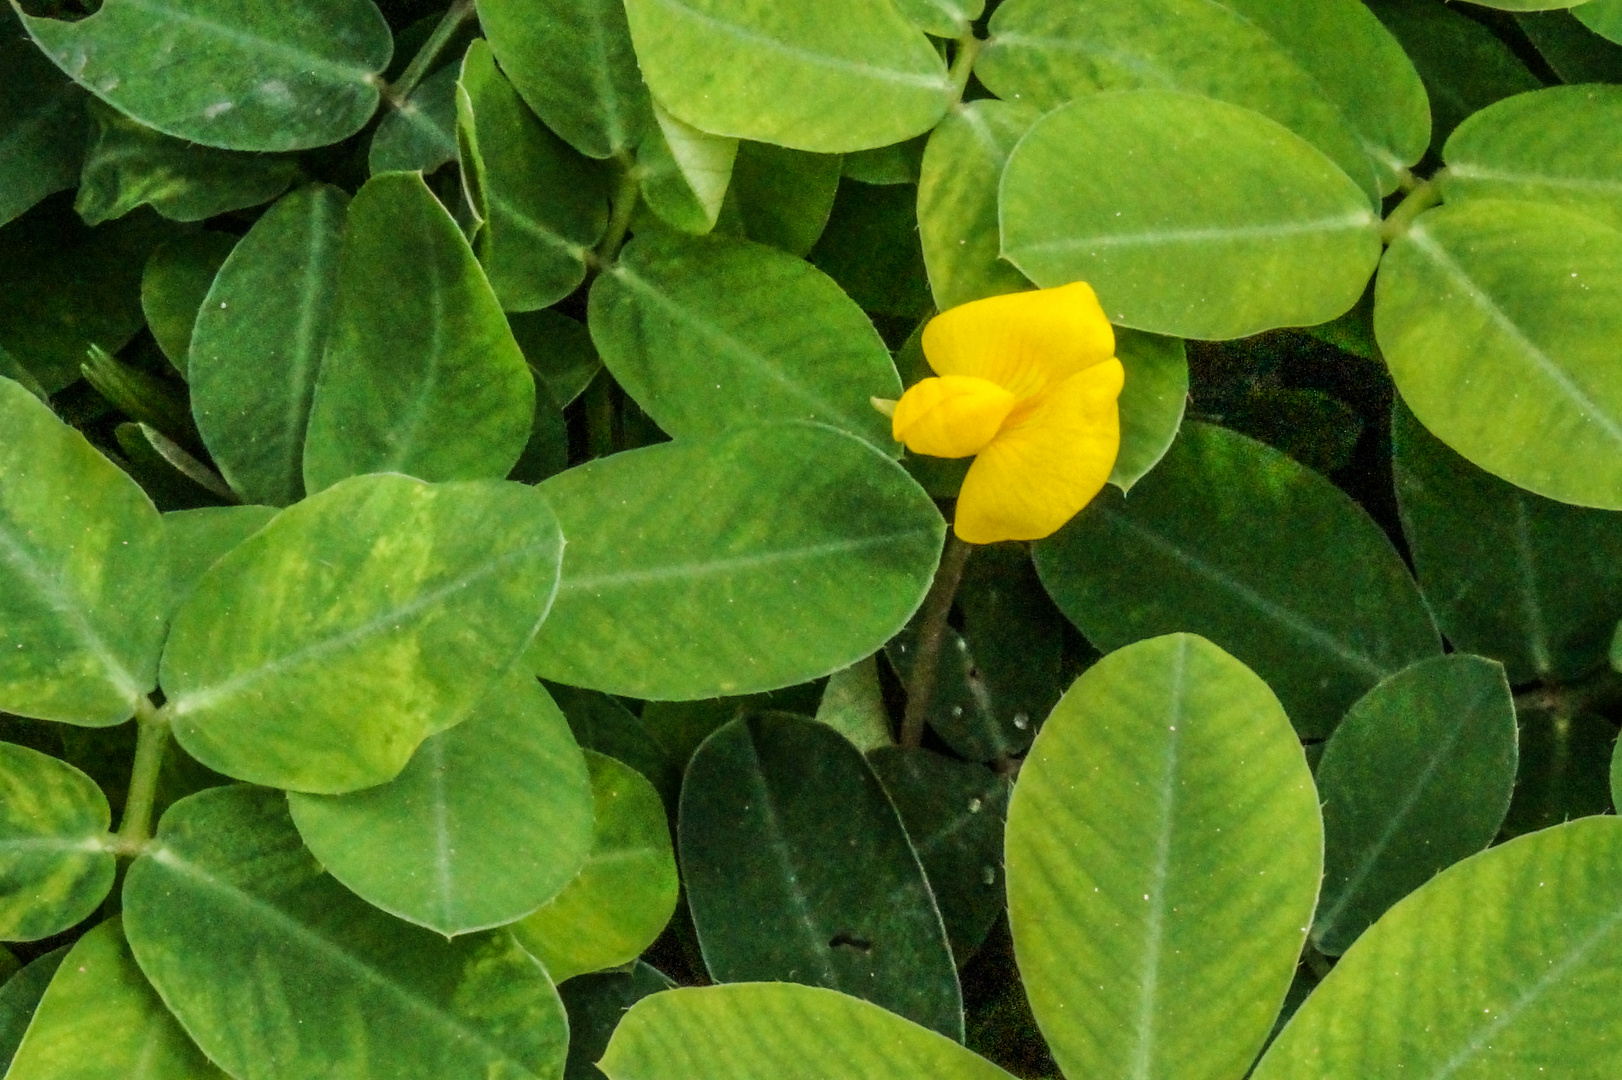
[[308, 341], [1216, 233]]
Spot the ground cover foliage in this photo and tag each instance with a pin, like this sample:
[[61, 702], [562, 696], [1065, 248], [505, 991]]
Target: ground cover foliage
[[461, 614]]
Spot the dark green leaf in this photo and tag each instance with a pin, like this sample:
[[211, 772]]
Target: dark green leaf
[[19, 998], [173, 285], [870, 247], [559, 351], [54, 864], [782, 197], [898, 163], [596, 1004], [418, 135], [1563, 773], [601, 723], [42, 125], [1575, 53]]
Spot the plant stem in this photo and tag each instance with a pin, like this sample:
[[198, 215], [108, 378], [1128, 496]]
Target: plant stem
[[931, 636], [968, 47], [621, 209], [1424, 195], [152, 739], [449, 23]]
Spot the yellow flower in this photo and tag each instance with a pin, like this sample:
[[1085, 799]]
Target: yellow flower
[[1028, 382]]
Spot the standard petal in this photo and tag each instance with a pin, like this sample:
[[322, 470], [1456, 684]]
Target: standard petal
[[1036, 474], [1026, 342], [951, 417]]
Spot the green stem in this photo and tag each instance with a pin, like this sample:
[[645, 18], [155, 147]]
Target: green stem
[[621, 209], [931, 637], [1424, 195], [968, 47], [448, 25], [152, 739]]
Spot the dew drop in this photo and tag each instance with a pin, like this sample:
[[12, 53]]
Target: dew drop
[[975, 804], [1022, 720]]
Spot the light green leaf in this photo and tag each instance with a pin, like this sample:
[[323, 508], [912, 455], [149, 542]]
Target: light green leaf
[[1529, 5], [252, 945], [853, 705], [197, 539], [175, 283], [1548, 146], [1616, 778], [943, 18], [1151, 402], [1507, 966], [709, 333], [898, 163], [127, 165], [957, 200], [42, 125], [488, 821], [1498, 321], [237, 74], [626, 891], [1189, 216], [101, 1020], [1232, 540], [320, 652], [575, 67], [685, 172], [1164, 851], [54, 864], [1416, 777], [1604, 17], [780, 1031], [812, 550], [540, 204], [830, 77], [781, 197], [418, 135], [82, 573], [19, 998], [258, 340], [1046, 54], [421, 373]]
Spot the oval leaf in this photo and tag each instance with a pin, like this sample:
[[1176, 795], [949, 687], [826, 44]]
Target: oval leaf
[[173, 286], [1499, 322], [1509, 964], [242, 75], [798, 869], [780, 1031], [1417, 777], [199, 538], [421, 375], [1233, 540], [54, 864], [19, 998], [319, 653], [1189, 216], [82, 581], [1164, 851], [830, 77], [231, 918], [596, 1005], [625, 892], [706, 334], [420, 133]]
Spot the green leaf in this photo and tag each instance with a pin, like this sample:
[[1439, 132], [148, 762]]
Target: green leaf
[[321, 651], [1576, 54], [1549, 146], [541, 205], [127, 165], [65, 287], [82, 581], [596, 1004], [19, 999], [1528, 5], [798, 869], [252, 945], [9, 966], [1164, 852], [812, 551], [1498, 321], [42, 126], [708, 333], [1463, 65], [421, 374], [1232, 540], [419, 135], [853, 705], [1534, 583], [488, 821], [600, 723], [943, 18], [780, 1031], [685, 172], [870, 247], [559, 351], [1616, 778], [174, 284], [197, 539], [575, 67], [1151, 403], [898, 163], [1046, 54], [175, 479], [953, 812], [101, 1020], [1508, 964], [241, 75], [829, 77], [957, 200], [1604, 17], [1563, 771], [1417, 777], [1189, 216], [783, 197], [624, 892], [258, 343], [55, 868]]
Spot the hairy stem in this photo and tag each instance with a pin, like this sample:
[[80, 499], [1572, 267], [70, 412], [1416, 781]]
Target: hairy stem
[[931, 636], [451, 22], [152, 739]]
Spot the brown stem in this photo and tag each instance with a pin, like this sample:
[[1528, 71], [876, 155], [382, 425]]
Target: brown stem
[[931, 635]]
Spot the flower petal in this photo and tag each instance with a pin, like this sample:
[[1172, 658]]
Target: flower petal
[[1024, 341], [1036, 475], [950, 417]]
